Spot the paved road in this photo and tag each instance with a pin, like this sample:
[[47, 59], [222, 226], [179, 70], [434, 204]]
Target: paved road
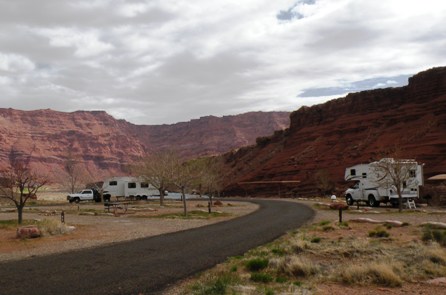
[[148, 265]]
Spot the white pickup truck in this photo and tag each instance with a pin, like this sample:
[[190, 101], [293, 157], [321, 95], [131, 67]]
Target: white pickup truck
[[85, 195]]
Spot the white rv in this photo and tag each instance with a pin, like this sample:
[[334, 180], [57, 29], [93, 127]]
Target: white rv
[[374, 186], [127, 187]]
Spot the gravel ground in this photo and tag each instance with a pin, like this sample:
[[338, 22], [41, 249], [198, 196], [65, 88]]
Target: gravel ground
[[92, 231]]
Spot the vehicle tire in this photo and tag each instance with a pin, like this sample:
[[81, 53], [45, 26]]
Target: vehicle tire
[[349, 200], [394, 204], [77, 200], [372, 201], [144, 198], [138, 198]]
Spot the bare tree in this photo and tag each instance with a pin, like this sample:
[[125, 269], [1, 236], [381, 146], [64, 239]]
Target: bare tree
[[158, 170], [396, 174], [74, 176], [324, 182], [208, 176], [183, 176], [19, 183]]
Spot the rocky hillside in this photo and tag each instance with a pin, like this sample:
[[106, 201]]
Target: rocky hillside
[[324, 139], [106, 145]]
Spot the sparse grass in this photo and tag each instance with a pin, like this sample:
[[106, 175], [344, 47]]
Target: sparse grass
[[48, 227], [347, 255], [381, 274]]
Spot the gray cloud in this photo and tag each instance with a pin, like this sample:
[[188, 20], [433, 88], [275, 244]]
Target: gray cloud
[[164, 61]]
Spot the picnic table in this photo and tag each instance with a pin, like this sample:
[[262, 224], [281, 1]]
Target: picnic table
[[115, 206]]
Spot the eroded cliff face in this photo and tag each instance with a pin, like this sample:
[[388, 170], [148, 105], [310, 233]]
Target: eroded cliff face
[[105, 146], [358, 128]]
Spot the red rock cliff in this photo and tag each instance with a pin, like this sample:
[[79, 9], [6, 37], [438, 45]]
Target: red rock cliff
[[355, 129], [106, 145]]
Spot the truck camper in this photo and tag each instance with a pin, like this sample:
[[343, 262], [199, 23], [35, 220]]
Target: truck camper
[[374, 184]]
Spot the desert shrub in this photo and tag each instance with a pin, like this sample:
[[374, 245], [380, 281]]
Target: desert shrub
[[315, 240], [328, 228], [343, 224], [52, 227], [298, 267], [216, 285], [278, 251], [281, 280], [261, 277], [379, 232], [299, 245], [257, 264], [324, 222], [437, 235], [377, 273], [437, 255]]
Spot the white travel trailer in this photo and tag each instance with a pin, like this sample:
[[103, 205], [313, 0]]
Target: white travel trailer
[[127, 187], [374, 186]]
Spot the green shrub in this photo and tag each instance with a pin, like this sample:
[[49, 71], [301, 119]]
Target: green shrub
[[216, 285], [316, 240], [328, 228], [379, 233], [259, 277], [257, 264], [281, 280], [324, 222]]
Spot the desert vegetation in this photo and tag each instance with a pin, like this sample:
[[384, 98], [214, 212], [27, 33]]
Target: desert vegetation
[[329, 253]]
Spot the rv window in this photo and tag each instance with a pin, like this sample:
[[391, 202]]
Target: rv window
[[132, 185], [144, 185], [352, 172], [364, 175], [114, 182], [412, 173]]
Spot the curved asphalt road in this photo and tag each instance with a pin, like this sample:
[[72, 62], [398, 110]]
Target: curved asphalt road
[[148, 265]]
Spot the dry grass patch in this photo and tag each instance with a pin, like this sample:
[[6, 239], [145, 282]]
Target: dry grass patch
[[382, 274]]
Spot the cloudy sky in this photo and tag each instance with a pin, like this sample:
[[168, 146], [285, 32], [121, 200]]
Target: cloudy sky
[[165, 61]]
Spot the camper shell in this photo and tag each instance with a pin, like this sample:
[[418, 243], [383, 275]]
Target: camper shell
[[373, 188], [133, 188]]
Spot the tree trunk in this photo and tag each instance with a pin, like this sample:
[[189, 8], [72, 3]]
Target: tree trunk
[[161, 197], [20, 214], [184, 201], [400, 202]]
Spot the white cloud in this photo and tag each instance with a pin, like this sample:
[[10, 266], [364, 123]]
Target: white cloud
[[86, 43], [15, 63], [163, 61]]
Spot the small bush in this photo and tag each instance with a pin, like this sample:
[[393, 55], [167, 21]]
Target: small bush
[[379, 233], [215, 285], [257, 264], [259, 277], [316, 240], [343, 224], [324, 222], [281, 280], [437, 235], [328, 228], [278, 251], [298, 267]]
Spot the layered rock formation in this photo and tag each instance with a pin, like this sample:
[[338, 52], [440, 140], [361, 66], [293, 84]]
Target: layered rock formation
[[324, 139], [105, 146]]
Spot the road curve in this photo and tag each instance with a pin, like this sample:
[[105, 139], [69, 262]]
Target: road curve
[[148, 265]]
